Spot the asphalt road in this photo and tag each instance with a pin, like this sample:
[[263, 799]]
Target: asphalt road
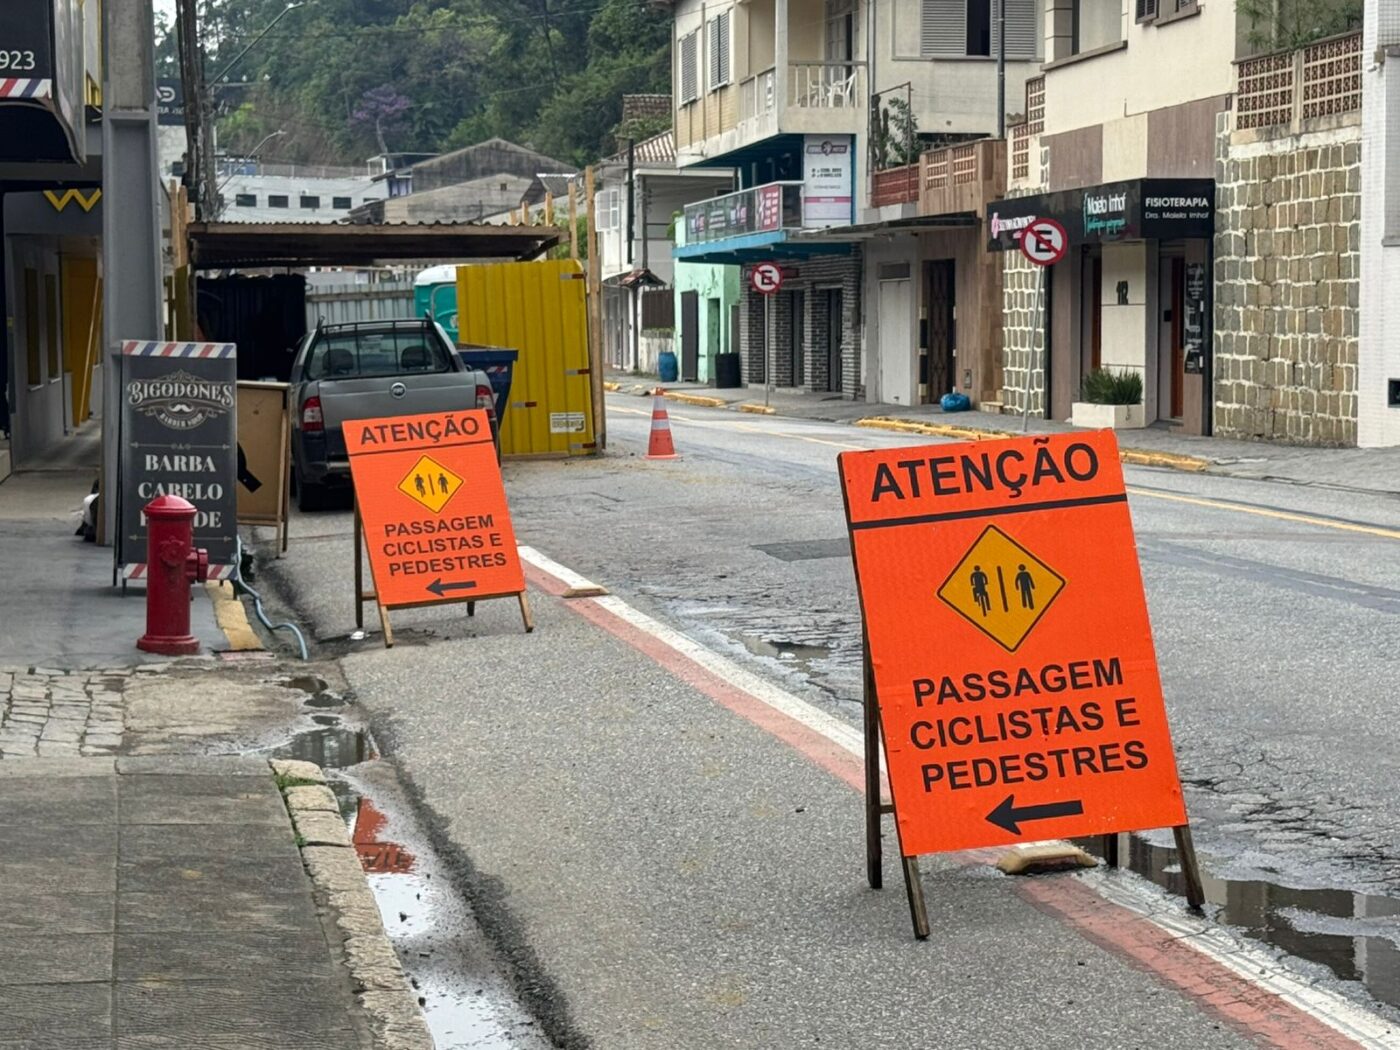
[[663, 874]]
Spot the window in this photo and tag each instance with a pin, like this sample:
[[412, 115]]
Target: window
[[245, 200], [609, 209], [658, 309], [1146, 10], [277, 200], [1155, 10], [689, 72], [309, 203], [342, 203], [958, 28], [1095, 24], [837, 19], [360, 353], [51, 325], [718, 31]]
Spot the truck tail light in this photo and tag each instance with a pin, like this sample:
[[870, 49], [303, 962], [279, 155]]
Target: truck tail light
[[486, 399], [311, 419]]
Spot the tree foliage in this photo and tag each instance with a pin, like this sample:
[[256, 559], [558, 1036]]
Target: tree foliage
[[1286, 25], [348, 78]]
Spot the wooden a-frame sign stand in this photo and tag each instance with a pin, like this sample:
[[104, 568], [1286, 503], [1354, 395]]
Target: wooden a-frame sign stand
[[362, 595], [876, 807]]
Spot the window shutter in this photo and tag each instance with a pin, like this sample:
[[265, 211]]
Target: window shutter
[[1146, 9], [1022, 30], [943, 28], [722, 49], [690, 88]]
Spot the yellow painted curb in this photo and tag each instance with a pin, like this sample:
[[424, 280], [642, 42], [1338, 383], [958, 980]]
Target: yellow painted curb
[[1143, 458], [231, 617], [758, 410], [911, 426], [696, 399], [611, 387], [1136, 456]]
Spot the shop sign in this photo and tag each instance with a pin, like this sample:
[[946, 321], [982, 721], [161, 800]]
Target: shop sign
[[1161, 209], [827, 178]]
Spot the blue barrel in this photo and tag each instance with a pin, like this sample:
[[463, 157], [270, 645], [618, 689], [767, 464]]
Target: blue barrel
[[666, 365]]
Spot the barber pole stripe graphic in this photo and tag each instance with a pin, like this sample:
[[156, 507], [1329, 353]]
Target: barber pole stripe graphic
[[137, 571], [14, 87], [136, 348]]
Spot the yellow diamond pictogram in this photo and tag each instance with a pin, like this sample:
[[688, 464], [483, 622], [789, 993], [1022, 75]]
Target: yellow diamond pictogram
[[1001, 588], [430, 483]]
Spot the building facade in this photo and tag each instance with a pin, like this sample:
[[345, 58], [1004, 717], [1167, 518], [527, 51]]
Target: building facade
[[1210, 189], [822, 109]]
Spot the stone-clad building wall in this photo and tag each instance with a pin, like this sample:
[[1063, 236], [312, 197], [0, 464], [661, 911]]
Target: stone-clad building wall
[[1287, 283], [1023, 336]]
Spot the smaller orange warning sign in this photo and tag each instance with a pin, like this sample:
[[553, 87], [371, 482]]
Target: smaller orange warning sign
[[430, 494]]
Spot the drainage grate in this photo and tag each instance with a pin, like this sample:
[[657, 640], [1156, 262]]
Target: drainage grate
[[807, 550]]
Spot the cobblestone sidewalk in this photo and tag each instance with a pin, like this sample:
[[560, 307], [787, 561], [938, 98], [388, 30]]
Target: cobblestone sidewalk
[[48, 713]]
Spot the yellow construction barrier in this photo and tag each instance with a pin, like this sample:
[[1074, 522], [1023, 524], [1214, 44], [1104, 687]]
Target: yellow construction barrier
[[537, 309]]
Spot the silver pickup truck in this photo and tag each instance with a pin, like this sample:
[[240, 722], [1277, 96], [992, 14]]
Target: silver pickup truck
[[365, 370]]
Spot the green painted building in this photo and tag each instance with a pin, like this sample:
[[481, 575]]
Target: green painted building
[[707, 313]]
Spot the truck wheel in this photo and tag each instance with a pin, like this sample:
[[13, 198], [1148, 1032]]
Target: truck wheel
[[311, 497]]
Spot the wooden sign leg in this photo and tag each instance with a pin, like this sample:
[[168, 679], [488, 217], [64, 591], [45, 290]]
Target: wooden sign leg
[[1110, 850], [1190, 867], [384, 624], [471, 608], [914, 887], [874, 873], [359, 573], [525, 613]]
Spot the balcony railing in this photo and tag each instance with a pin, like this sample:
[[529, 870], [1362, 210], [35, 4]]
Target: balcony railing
[[895, 186], [1287, 88], [963, 178], [757, 95], [772, 206], [825, 85]]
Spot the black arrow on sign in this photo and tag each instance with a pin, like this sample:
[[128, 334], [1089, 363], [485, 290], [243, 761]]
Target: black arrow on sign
[[439, 588], [1008, 817]]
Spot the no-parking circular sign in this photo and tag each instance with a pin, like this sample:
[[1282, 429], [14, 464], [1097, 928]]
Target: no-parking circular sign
[[766, 278], [1044, 242]]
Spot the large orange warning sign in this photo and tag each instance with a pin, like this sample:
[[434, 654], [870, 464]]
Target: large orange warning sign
[[436, 524], [1007, 628]]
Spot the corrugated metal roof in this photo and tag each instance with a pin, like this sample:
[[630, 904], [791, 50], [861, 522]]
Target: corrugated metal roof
[[223, 245]]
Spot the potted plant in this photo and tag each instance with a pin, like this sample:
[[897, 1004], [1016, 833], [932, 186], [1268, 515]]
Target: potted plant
[[1111, 399]]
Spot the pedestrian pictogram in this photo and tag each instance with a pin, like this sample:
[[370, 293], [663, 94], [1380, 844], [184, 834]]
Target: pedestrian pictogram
[[1044, 242], [1010, 671], [451, 540], [430, 483], [1001, 588], [766, 278]]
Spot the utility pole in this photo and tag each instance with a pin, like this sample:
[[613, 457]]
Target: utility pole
[[595, 312], [1001, 69], [131, 263]]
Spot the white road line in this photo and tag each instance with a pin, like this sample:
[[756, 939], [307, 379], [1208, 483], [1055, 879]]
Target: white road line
[[1251, 963], [577, 585]]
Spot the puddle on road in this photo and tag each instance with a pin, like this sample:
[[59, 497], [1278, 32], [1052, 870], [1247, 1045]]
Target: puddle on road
[[790, 654], [466, 1004], [1355, 935]]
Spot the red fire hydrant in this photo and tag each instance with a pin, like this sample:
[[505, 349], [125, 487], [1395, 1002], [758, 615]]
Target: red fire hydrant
[[172, 564]]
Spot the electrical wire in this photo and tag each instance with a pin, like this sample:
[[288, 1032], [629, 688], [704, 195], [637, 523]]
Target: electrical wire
[[242, 587]]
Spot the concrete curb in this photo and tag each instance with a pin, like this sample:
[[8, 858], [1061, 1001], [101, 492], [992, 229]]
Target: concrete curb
[[1141, 457], [696, 399], [232, 618], [611, 387], [395, 1021], [757, 410]]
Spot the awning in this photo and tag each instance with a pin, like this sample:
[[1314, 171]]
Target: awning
[[224, 245], [638, 278], [869, 230]]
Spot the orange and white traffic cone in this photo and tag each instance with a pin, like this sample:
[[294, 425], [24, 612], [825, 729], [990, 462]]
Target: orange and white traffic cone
[[661, 446]]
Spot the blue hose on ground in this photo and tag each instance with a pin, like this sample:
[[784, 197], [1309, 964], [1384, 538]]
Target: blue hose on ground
[[241, 587]]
